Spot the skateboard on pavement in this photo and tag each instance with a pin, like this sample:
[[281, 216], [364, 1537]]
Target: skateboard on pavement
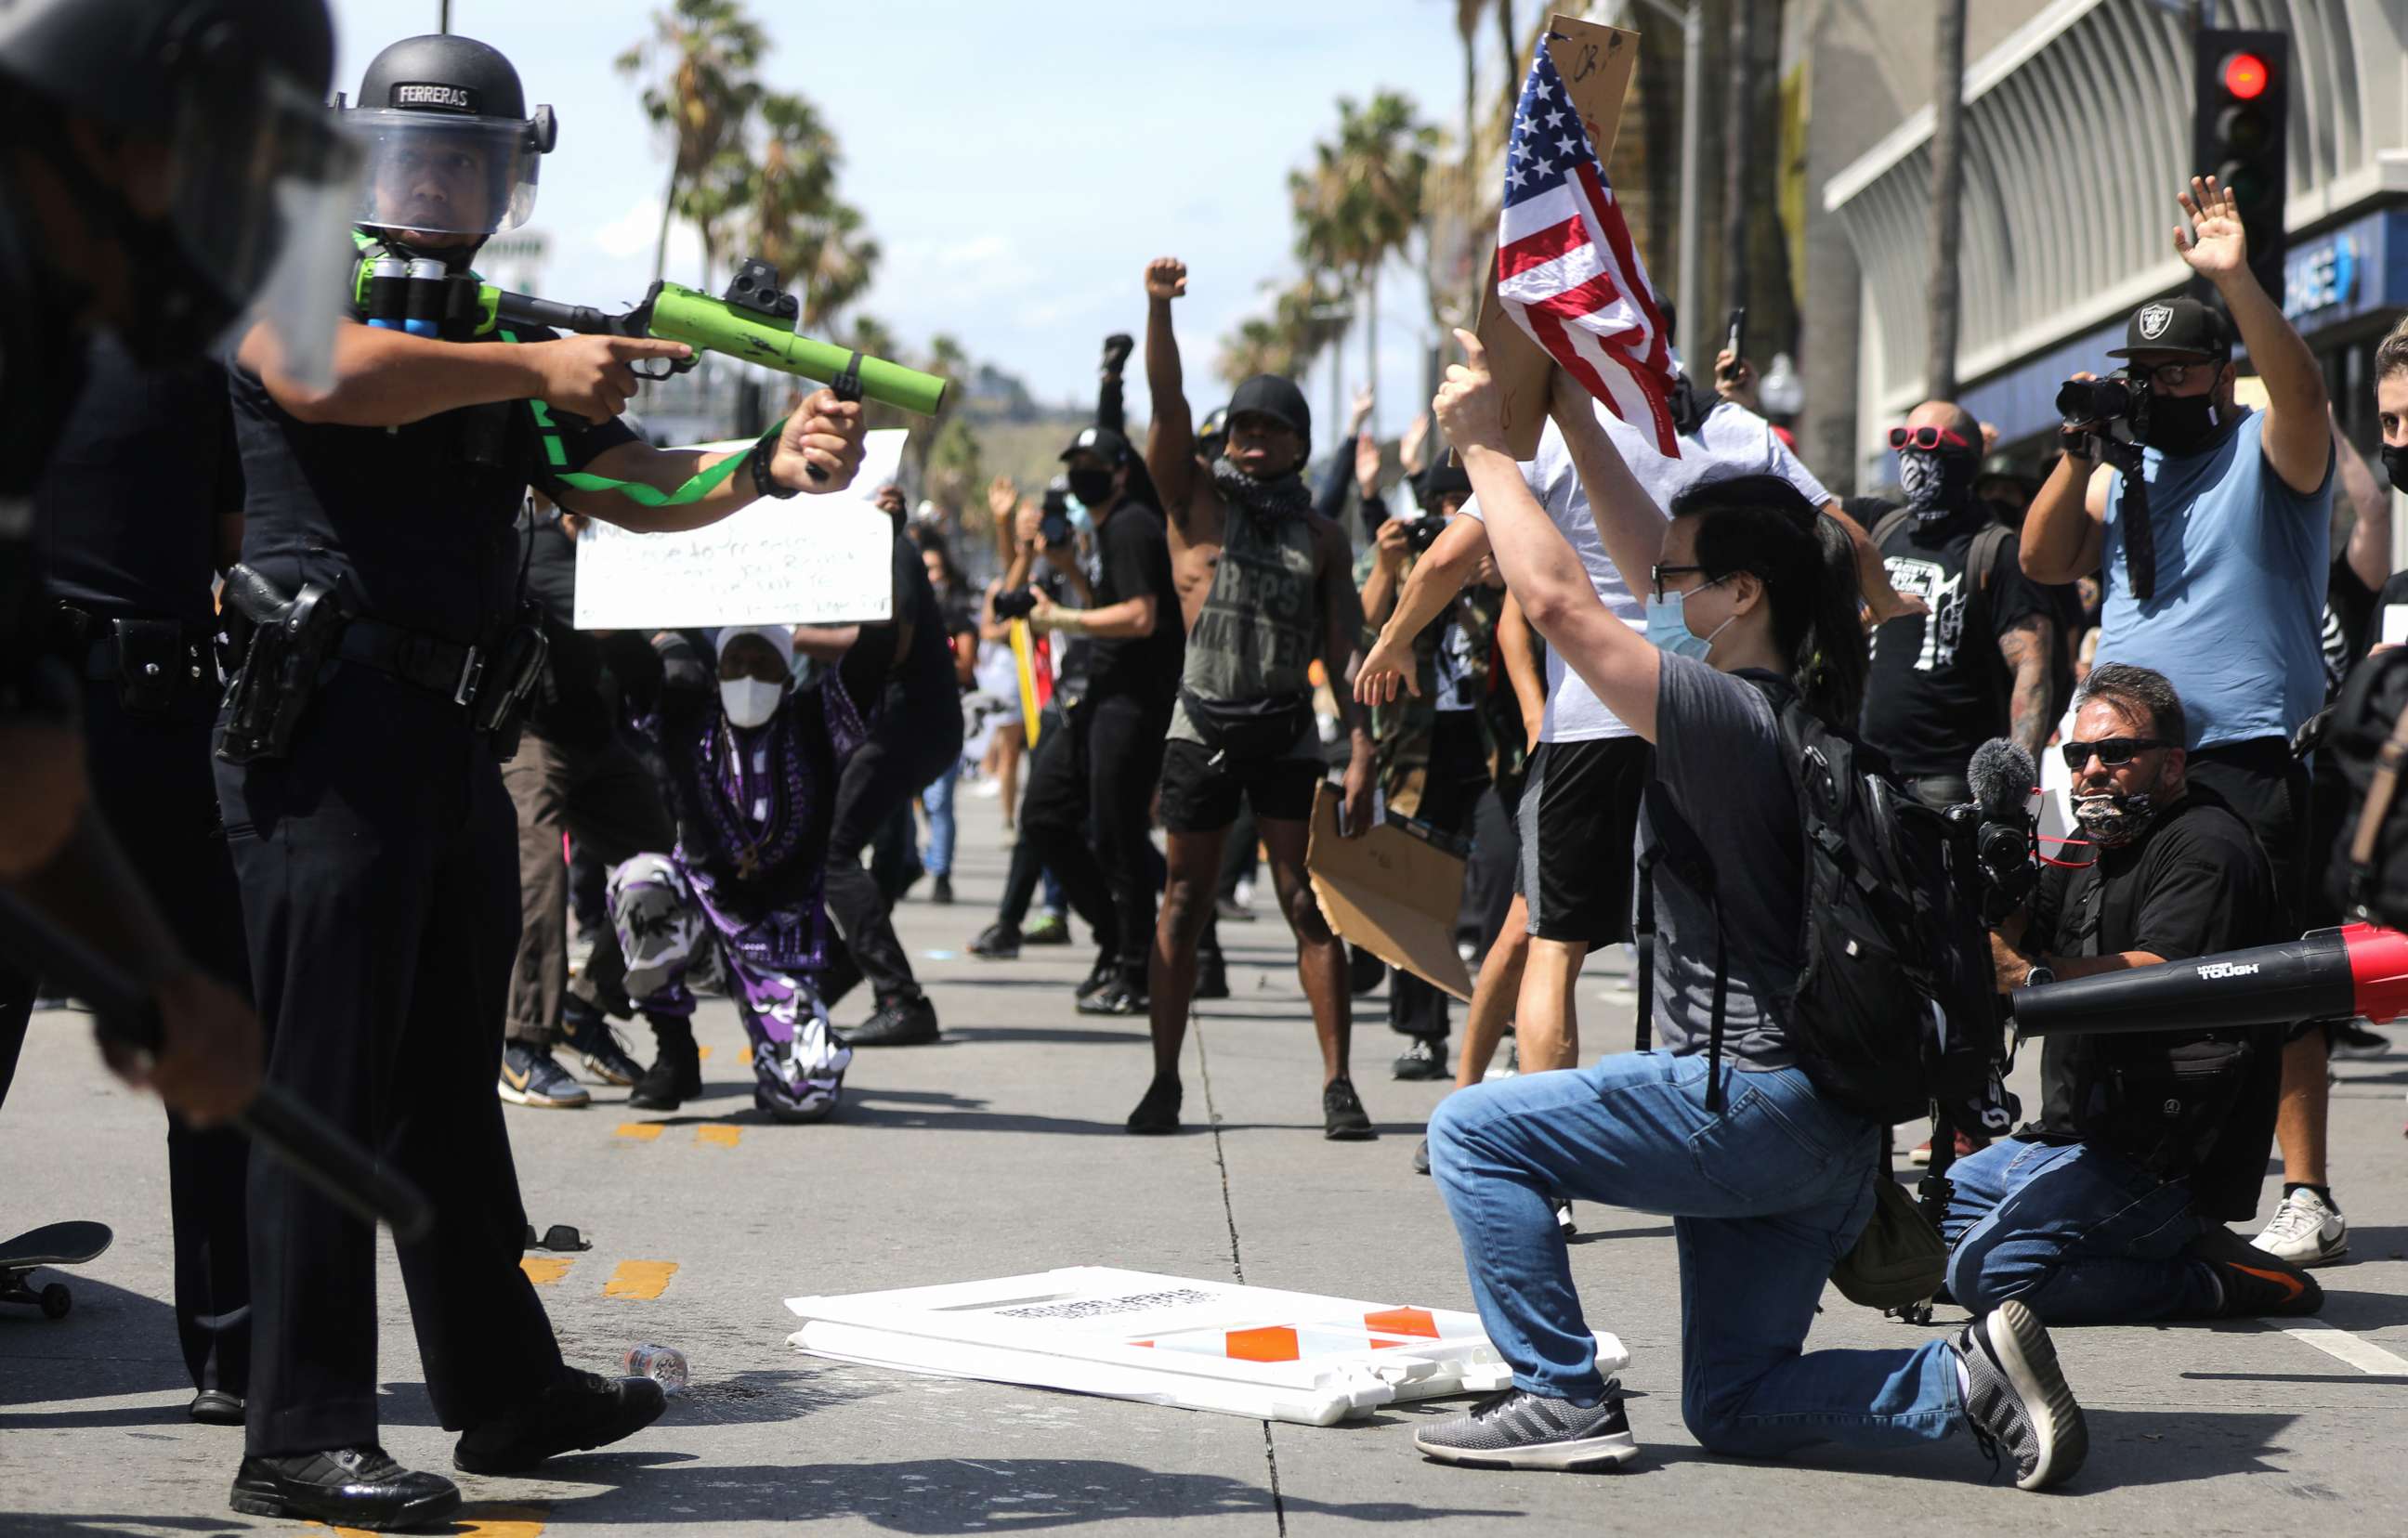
[[51, 1245]]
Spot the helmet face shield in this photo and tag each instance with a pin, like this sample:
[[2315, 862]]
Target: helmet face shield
[[442, 173]]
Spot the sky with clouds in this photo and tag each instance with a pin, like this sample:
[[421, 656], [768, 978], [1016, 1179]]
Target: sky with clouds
[[1018, 164]]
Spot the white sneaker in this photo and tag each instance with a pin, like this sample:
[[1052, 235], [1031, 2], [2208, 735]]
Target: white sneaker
[[2305, 1230]]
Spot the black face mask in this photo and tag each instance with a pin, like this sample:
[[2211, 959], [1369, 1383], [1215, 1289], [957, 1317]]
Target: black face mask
[[2183, 424], [2395, 465], [1937, 482], [1093, 487]]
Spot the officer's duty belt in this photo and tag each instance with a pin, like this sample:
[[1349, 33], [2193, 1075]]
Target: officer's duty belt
[[432, 664]]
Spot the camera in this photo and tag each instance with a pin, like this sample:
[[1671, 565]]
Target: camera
[[2006, 853], [1053, 525], [1422, 532], [2110, 411], [1015, 603]]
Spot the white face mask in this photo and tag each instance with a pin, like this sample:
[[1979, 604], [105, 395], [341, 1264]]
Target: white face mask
[[749, 701]]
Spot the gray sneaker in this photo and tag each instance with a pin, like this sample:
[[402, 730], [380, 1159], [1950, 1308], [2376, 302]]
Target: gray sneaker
[[1520, 1430], [2016, 1400]]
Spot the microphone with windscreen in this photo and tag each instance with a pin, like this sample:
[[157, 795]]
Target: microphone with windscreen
[[2002, 777]]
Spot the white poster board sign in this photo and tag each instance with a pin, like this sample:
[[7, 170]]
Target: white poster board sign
[[1255, 1351], [803, 561]]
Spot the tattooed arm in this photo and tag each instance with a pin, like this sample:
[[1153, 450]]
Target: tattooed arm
[[2025, 648]]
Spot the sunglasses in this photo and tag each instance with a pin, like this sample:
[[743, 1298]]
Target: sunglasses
[[2115, 752], [1926, 439]]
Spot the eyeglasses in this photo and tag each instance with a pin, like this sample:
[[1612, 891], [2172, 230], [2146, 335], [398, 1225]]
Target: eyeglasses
[[1926, 439], [2174, 376], [1657, 574], [2115, 752]]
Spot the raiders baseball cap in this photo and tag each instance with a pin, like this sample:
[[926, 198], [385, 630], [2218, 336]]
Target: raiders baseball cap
[[1102, 441], [2180, 324]]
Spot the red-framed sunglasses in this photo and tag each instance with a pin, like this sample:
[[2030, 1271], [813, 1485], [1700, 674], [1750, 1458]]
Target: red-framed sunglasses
[[1926, 439]]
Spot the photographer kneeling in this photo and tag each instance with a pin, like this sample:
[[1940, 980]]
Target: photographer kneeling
[[2111, 1208]]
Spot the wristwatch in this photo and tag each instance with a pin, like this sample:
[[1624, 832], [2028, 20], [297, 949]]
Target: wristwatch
[[757, 461], [2037, 977]]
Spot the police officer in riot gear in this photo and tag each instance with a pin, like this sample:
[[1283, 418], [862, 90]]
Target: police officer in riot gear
[[358, 771], [157, 153]]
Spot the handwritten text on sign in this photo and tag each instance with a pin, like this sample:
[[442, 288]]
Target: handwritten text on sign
[[811, 560]]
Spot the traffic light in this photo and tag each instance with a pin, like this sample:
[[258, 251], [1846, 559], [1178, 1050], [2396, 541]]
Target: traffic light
[[2241, 120]]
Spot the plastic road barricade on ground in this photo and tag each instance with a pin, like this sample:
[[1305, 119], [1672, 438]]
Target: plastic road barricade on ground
[[1168, 1340]]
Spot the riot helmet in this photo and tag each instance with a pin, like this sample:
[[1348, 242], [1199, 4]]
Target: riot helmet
[[449, 147]]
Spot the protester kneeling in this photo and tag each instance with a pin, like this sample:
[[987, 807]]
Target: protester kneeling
[[2111, 1208], [1752, 609]]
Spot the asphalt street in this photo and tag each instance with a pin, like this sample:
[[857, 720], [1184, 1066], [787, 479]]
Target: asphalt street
[[1001, 1151]]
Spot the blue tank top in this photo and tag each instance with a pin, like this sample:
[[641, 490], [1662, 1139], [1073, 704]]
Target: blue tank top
[[2242, 565]]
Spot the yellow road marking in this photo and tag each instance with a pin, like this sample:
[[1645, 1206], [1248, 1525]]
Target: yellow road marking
[[640, 1280], [642, 1132], [744, 1054], [702, 1051], [544, 1269], [715, 1134], [475, 1521]]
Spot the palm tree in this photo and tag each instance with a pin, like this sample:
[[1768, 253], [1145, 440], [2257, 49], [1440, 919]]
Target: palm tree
[[836, 264], [798, 224], [1256, 347], [706, 51], [1947, 194], [1361, 201]]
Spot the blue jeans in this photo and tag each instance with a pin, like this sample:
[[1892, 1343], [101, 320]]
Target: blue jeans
[[2080, 1234], [1764, 1198], [938, 801]]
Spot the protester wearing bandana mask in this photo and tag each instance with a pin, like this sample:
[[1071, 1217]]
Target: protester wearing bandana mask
[[2224, 595], [1978, 664]]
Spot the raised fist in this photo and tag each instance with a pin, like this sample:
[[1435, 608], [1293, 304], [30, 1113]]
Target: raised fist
[[1166, 277]]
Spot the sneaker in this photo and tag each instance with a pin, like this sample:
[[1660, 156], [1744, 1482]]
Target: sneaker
[[531, 1076], [2306, 1230], [2355, 1039], [1117, 996], [674, 1077], [1211, 977], [1421, 1157], [1422, 1060], [997, 942], [1506, 1064], [2015, 1399], [1563, 1210], [898, 1022], [343, 1486], [580, 1410], [1105, 973], [1048, 929], [2256, 1285], [600, 1048], [1158, 1112], [1341, 1113], [941, 894], [1520, 1430]]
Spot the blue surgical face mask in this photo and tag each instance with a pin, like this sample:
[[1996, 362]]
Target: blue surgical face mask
[[1668, 629], [1081, 521]]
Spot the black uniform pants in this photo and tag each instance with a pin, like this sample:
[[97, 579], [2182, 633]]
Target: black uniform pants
[[1451, 785], [379, 891], [602, 795], [1087, 813], [150, 781], [906, 750]]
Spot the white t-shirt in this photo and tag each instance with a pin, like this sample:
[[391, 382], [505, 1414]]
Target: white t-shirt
[[1731, 441]]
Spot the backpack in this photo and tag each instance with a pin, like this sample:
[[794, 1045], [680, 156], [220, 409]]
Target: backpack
[[2367, 735], [1895, 1006]]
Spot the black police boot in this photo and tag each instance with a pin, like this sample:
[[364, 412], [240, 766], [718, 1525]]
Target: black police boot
[[909, 1020], [216, 1407], [343, 1486], [675, 1075], [577, 1411]]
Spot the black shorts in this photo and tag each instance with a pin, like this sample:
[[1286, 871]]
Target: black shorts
[[1199, 796], [1578, 822]]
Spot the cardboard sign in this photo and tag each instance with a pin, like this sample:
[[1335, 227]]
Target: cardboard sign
[[1596, 63], [805, 560], [1255, 1351], [1391, 892]]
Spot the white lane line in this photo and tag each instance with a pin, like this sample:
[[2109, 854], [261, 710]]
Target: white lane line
[[2333, 1340]]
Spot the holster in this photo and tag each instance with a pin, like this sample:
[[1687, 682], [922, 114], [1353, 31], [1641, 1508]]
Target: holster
[[291, 639], [497, 702]]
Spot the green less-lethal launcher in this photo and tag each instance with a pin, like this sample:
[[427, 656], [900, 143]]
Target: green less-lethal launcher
[[755, 324]]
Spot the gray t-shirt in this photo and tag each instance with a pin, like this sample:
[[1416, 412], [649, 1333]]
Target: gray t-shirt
[[1718, 755]]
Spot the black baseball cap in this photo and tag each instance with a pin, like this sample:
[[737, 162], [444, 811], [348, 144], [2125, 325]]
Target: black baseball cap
[[1277, 398], [1102, 441], [2181, 325]]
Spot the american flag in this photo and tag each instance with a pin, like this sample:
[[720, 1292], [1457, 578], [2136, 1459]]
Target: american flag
[[1566, 269]]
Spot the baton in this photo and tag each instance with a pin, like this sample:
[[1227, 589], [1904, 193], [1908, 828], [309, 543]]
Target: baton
[[307, 1143]]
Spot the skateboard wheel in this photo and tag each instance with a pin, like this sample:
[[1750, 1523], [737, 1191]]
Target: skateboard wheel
[[56, 1300]]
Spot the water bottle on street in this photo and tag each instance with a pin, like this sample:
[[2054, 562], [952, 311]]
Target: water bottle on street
[[663, 1362]]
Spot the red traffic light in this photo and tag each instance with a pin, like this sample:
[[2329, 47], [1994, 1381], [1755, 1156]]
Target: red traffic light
[[2244, 75]]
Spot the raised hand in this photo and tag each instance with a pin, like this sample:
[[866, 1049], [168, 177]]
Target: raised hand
[[1166, 279], [1002, 498], [1469, 409], [2216, 248], [1366, 465]]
